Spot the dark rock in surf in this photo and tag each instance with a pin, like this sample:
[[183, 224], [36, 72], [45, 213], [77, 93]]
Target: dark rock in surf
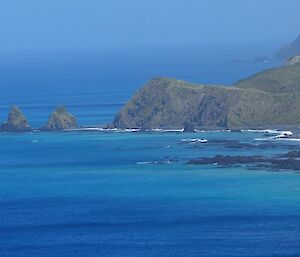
[[289, 161], [227, 160], [188, 127]]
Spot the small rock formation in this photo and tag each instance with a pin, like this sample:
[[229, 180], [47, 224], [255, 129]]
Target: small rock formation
[[293, 60], [227, 160], [16, 121], [273, 163], [60, 119], [292, 154]]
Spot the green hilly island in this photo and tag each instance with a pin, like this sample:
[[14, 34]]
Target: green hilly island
[[269, 98]]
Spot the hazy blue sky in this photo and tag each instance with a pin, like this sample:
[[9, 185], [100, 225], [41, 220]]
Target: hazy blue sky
[[54, 24]]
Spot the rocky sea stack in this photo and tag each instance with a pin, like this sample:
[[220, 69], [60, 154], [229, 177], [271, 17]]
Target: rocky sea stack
[[268, 98], [60, 119], [16, 121]]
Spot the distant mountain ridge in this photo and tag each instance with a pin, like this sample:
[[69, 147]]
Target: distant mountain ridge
[[290, 50], [271, 97]]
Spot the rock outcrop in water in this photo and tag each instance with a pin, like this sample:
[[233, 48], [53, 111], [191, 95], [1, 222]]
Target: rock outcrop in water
[[16, 121], [288, 161], [269, 98], [60, 119], [188, 127]]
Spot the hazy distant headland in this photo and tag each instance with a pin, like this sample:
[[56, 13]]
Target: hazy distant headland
[[289, 50]]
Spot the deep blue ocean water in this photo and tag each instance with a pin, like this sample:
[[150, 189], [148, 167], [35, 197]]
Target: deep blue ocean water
[[132, 194], [95, 84]]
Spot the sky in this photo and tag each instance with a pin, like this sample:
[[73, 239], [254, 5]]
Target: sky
[[35, 25]]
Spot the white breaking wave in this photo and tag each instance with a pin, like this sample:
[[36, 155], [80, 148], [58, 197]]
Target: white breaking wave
[[270, 131], [87, 129], [212, 131], [165, 130], [277, 139], [143, 163], [194, 140]]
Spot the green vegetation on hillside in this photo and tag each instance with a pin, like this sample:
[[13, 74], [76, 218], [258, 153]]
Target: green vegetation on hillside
[[279, 80], [271, 97]]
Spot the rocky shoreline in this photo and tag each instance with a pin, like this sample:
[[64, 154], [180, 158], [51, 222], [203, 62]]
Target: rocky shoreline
[[62, 120]]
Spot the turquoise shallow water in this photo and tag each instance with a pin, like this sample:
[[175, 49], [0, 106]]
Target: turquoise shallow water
[[131, 194]]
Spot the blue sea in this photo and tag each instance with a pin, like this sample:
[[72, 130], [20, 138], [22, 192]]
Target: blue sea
[[125, 194]]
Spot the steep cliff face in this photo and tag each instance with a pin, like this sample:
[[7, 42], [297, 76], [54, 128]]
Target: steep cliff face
[[161, 103], [16, 121], [60, 119], [268, 98]]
